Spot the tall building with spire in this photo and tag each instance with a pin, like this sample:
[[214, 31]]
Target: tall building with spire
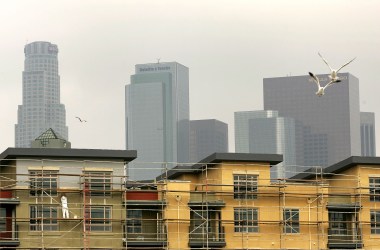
[[41, 108], [157, 118]]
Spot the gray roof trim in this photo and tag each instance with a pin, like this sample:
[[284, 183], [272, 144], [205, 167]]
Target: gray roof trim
[[215, 158], [63, 153], [339, 167]]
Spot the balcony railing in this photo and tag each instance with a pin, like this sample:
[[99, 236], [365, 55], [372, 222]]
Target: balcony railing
[[148, 235], [9, 238], [213, 237], [344, 238]]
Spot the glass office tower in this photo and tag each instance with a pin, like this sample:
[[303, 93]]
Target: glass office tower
[[327, 127], [41, 108], [157, 118], [367, 133]]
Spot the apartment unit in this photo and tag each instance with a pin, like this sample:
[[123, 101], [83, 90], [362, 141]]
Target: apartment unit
[[82, 199]]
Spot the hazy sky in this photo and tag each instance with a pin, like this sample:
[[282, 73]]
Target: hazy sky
[[228, 45]]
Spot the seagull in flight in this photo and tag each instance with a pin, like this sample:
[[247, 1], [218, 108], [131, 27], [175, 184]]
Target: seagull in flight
[[321, 90], [81, 120], [334, 73]]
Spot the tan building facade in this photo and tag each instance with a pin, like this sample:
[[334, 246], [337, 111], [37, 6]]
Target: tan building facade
[[226, 202]]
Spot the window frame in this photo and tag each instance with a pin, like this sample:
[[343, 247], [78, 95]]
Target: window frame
[[375, 221], [134, 221], [98, 224], [3, 219], [245, 186], [99, 183], [374, 189], [291, 219], [38, 221], [250, 224], [43, 183]]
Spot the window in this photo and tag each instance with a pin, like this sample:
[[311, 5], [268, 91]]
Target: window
[[43, 217], [245, 220], [374, 188], [99, 218], [291, 221], [3, 219], [375, 221], [134, 221], [98, 183], [245, 186], [43, 182]]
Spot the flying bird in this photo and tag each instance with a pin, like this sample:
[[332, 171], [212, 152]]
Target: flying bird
[[321, 90], [81, 120], [334, 73]]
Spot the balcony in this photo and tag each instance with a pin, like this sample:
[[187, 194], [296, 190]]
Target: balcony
[[205, 198], [6, 197], [344, 239], [200, 238], [143, 198], [147, 236], [9, 238]]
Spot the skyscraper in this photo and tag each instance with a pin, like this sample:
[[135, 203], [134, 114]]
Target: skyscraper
[[207, 137], [367, 133], [241, 119], [327, 127], [157, 118], [41, 108], [264, 132]]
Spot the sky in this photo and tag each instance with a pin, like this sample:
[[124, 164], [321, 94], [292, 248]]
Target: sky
[[229, 46]]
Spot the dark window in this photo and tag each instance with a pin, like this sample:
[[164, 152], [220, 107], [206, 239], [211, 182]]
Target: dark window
[[291, 221], [374, 188], [245, 186], [43, 218], [134, 218], [98, 183], [375, 221], [99, 218], [245, 220], [43, 182]]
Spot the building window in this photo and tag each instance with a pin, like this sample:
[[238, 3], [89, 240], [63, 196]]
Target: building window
[[291, 221], [43, 218], [3, 219], [375, 221], [134, 218], [98, 183], [43, 182], [245, 220], [374, 188], [98, 218], [245, 186]]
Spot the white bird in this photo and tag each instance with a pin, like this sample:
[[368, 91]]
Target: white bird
[[81, 120], [334, 73], [321, 90]]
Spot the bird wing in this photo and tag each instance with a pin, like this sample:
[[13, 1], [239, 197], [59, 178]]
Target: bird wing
[[78, 118], [315, 78], [344, 65], [331, 83], [325, 61]]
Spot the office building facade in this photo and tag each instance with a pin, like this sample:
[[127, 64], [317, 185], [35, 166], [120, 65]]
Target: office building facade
[[367, 133], [157, 117], [327, 127], [207, 137], [41, 108]]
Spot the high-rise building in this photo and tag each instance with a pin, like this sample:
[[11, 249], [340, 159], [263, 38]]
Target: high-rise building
[[275, 135], [41, 108], [327, 127], [207, 137], [264, 132], [157, 117], [242, 127], [367, 133]]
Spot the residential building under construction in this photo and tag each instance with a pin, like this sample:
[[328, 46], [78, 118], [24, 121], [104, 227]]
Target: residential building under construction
[[63, 198]]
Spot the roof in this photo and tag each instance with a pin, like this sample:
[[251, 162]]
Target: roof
[[338, 167], [68, 153], [214, 158]]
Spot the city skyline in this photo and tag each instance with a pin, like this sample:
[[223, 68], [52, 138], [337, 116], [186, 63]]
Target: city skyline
[[228, 53]]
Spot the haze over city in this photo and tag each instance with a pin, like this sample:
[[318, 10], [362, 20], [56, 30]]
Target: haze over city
[[228, 46]]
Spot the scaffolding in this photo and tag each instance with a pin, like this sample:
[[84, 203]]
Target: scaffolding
[[224, 205]]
